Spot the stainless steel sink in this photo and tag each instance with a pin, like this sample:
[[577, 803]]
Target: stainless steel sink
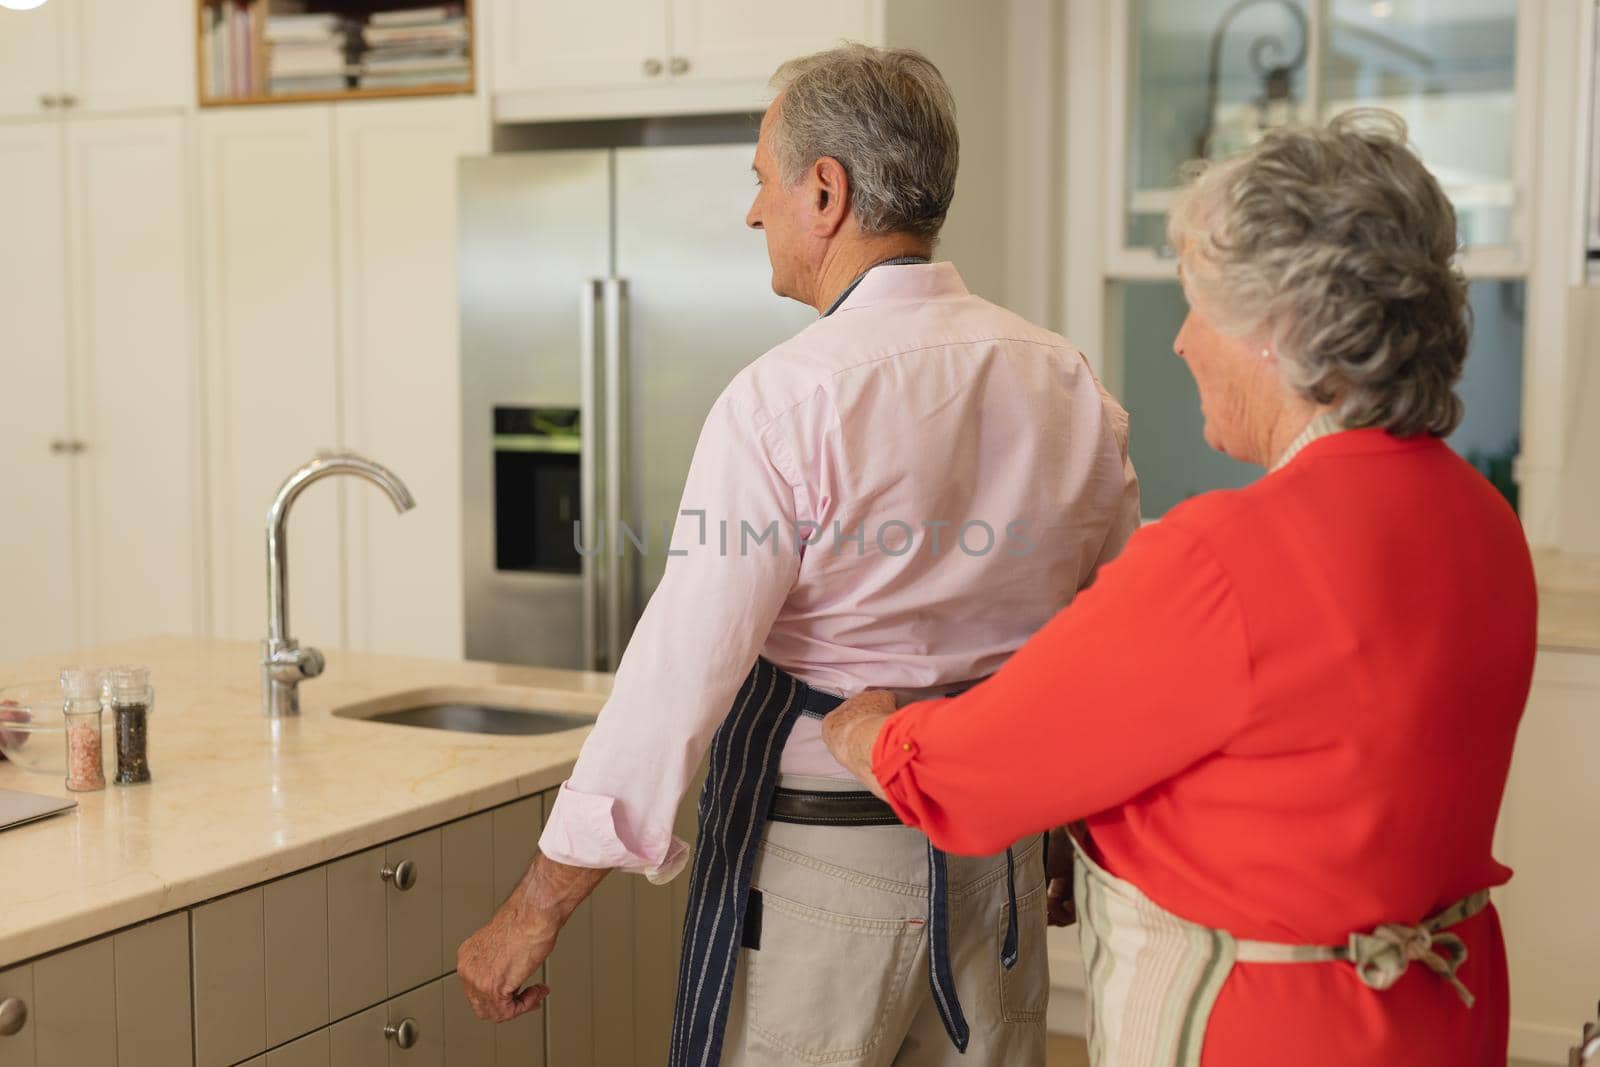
[[489, 710], [484, 719]]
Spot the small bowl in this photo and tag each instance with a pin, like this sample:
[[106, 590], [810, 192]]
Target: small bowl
[[32, 728]]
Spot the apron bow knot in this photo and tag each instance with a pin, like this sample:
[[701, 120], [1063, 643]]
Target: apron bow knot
[[1382, 956]]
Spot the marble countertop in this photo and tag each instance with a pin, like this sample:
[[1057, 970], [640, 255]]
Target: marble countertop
[[238, 799], [1569, 601]]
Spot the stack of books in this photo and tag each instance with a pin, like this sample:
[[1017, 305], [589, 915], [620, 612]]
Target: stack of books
[[306, 53], [230, 30], [415, 47]]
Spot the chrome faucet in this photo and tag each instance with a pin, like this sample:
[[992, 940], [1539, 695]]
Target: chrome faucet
[[284, 664]]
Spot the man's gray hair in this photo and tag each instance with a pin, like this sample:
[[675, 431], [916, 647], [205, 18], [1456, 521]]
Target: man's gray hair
[[1337, 247], [888, 117]]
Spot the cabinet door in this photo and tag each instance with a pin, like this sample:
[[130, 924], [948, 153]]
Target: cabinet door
[[468, 1040], [1549, 819], [136, 365], [74, 994], [746, 40], [397, 166], [414, 913], [18, 1049], [516, 838], [117, 56], [152, 981], [271, 346], [295, 914], [359, 1041], [424, 1010], [36, 569], [230, 995], [309, 1051], [30, 60], [601, 44], [469, 900], [358, 954]]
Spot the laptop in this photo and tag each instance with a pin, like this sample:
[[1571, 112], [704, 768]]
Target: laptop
[[17, 807]]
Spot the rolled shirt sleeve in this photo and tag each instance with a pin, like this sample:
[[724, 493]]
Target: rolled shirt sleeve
[[1143, 674], [733, 563]]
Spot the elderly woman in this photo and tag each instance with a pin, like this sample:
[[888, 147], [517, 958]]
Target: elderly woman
[[1278, 726]]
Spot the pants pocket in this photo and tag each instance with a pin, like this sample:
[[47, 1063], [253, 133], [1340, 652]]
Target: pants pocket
[[1025, 988], [822, 985]]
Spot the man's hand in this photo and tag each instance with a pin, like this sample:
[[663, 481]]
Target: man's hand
[[494, 962], [1062, 909], [851, 729]]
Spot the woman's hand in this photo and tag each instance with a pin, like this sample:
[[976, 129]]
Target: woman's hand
[[851, 729]]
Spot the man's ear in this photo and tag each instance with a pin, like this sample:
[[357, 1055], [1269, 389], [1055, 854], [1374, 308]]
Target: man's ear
[[830, 191]]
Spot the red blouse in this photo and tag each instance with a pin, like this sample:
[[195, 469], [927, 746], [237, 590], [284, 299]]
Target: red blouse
[[1285, 711]]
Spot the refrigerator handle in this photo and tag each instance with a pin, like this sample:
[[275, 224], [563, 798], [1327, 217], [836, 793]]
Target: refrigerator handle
[[591, 531], [623, 559]]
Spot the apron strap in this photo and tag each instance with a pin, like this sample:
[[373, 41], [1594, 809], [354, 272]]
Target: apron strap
[[941, 978], [1383, 955], [1008, 950]]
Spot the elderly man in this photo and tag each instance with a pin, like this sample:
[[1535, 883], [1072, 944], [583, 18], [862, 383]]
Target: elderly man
[[944, 477]]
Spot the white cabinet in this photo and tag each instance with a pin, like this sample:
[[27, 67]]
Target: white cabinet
[[331, 323], [135, 366], [604, 43], [96, 56], [1549, 823], [396, 189], [642, 57], [30, 60], [271, 331], [101, 440], [36, 568], [722, 40]]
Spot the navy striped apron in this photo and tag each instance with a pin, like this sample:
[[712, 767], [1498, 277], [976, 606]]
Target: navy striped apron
[[734, 806]]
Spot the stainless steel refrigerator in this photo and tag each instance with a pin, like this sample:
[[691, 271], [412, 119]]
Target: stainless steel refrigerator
[[607, 297]]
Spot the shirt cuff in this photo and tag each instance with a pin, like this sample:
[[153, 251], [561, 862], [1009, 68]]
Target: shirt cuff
[[582, 830], [893, 756]]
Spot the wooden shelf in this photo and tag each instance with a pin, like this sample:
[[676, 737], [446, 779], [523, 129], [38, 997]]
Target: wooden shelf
[[347, 94], [347, 7]]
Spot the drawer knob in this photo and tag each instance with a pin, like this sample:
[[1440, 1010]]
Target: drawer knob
[[404, 1034], [403, 875], [679, 65], [13, 1016], [652, 68]]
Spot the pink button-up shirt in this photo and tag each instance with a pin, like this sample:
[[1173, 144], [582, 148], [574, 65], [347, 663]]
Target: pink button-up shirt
[[896, 498]]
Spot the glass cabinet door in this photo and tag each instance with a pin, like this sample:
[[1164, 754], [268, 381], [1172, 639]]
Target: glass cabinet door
[[1448, 67], [1205, 79]]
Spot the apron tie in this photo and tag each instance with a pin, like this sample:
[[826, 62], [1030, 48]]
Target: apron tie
[[1382, 956]]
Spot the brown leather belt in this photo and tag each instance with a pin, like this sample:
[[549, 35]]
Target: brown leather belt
[[820, 807]]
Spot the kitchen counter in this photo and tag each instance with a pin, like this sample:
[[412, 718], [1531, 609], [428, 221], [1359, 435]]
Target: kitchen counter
[[238, 799], [1569, 601]]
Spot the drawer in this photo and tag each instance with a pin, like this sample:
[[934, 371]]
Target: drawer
[[151, 963], [282, 960], [517, 826], [121, 1000], [309, 1051]]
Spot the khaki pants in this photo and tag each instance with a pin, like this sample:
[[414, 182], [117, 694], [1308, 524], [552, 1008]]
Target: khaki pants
[[841, 975]]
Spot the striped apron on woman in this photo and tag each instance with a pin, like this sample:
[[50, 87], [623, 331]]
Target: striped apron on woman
[[1153, 978], [734, 807]]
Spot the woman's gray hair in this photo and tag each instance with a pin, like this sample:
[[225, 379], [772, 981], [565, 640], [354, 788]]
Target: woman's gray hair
[[888, 117], [1336, 247]]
